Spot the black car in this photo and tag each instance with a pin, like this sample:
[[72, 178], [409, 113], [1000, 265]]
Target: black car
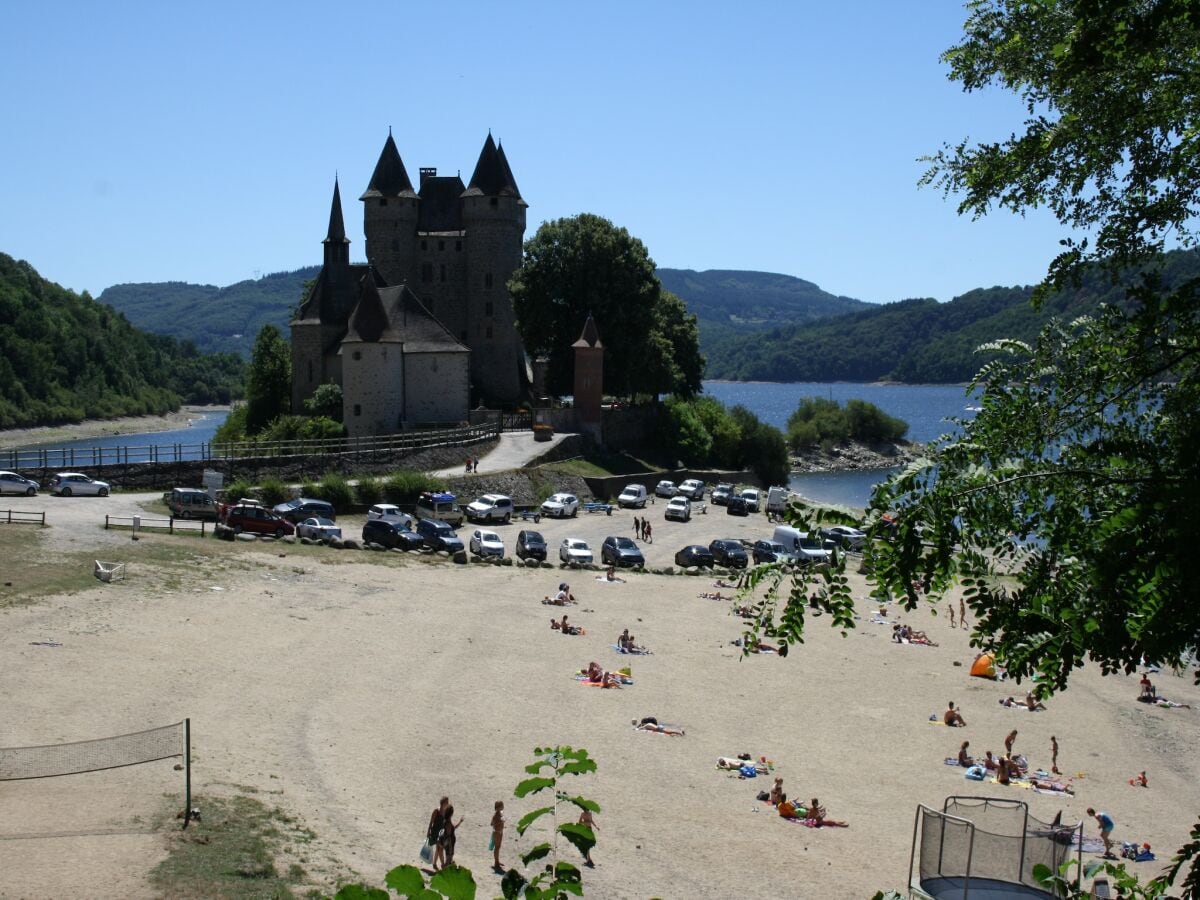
[[771, 551], [736, 506], [621, 551], [729, 553], [438, 535], [695, 555], [531, 545], [391, 534], [302, 508]]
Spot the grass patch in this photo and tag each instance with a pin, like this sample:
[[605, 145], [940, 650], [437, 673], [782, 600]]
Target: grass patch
[[234, 852], [601, 465], [27, 576]]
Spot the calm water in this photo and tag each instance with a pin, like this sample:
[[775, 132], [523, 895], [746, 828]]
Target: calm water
[[201, 431]]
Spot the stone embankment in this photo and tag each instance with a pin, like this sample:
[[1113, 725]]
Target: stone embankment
[[857, 456]]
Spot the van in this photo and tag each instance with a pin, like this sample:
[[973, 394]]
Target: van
[[806, 548], [753, 498], [777, 500], [634, 496], [433, 505], [191, 503]]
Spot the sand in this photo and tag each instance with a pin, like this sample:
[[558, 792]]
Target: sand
[[355, 694]]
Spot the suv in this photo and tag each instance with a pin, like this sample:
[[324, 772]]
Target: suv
[[191, 503], [678, 508], [491, 508], [621, 551], [729, 553], [302, 508], [771, 551], [736, 506], [432, 505], [720, 494], [257, 520], [665, 489], [389, 512], [693, 489], [531, 545], [439, 535], [389, 533]]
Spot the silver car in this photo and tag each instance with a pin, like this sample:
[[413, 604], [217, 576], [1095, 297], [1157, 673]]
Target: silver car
[[68, 484], [12, 483]]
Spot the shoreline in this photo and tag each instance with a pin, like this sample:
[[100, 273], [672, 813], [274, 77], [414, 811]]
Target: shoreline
[[90, 428], [856, 456]]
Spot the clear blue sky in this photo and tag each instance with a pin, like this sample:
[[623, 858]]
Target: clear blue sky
[[198, 142]]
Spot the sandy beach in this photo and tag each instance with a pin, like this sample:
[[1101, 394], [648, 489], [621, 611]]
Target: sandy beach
[[22, 437], [354, 689]]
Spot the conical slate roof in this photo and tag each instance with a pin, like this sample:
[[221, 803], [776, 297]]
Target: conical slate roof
[[390, 179], [337, 228], [590, 336], [369, 319], [492, 176], [394, 315], [509, 181]]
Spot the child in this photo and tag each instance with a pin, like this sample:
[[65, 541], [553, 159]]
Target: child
[[497, 835], [586, 820]]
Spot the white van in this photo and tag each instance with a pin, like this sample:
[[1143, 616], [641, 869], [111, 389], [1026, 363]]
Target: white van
[[807, 548], [753, 498], [633, 496], [777, 500]]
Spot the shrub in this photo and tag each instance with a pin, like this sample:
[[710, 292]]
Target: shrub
[[406, 485], [274, 491], [336, 489], [238, 489], [368, 491]]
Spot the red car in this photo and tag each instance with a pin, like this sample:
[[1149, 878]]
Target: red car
[[256, 520]]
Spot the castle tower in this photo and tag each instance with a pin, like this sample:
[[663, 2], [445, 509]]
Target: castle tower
[[493, 217], [322, 315], [390, 210], [589, 378]]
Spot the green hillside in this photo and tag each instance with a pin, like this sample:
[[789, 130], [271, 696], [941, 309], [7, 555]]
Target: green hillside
[[64, 357], [215, 319]]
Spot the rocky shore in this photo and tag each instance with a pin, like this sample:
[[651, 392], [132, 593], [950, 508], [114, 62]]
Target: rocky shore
[[856, 456]]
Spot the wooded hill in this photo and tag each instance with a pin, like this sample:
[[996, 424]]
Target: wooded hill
[[65, 357]]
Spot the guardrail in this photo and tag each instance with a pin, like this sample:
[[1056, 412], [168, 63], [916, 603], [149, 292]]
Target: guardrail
[[95, 457], [16, 517], [171, 525]]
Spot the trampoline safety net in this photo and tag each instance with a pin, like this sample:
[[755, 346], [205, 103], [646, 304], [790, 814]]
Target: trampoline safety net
[[92, 756]]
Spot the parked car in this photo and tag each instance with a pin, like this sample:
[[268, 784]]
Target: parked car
[[490, 508], [12, 483], [693, 489], [753, 498], [720, 494], [665, 489], [678, 508], [389, 512], [695, 555], [561, 506], [391, 534], [70, 484], [574, 550], [736, 506], [771, 551], [807, 548], [318, 528], [300, 508], [729, 553], [777, 500], [531, 545], [845, 536], [439, 535], [256, 520], [633, 497], [618, 550], [441, 506], [191, 503], [486, 543]]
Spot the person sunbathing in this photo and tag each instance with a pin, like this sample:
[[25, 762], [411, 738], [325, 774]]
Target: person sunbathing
[[649, 723], [817, 815], [953, 717], [1139, 781], [1002, 773], [777, 794], [989, 761], [566, 628], [1031, 704], [1147, 688], [754, 645], [1045, 784], [964, 759], [1008, 701]]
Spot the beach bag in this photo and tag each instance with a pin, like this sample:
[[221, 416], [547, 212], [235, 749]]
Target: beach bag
[[764, 796], [426, 853], [492, 842], [787, 809], [749, 771]]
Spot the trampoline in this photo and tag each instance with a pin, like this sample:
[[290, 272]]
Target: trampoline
[[981, 848]]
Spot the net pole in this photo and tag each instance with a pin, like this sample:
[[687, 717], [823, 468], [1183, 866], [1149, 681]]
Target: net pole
[[187, 771]]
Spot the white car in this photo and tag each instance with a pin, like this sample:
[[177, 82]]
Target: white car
[[389, 512], [486, 543], [12, 483], [491, 508], [679, 508], [693, 489], [665, 489], [845, 536], [561, 506], [66, 484], [573, 550], [318, 528], [753, 498]]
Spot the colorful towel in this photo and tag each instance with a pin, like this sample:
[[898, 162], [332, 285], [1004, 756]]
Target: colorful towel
[[638, 652]]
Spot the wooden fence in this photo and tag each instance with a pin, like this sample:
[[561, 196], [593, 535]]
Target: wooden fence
[[170, 525], [16, 517]]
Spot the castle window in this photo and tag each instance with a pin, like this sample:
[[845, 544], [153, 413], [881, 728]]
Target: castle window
[[383, 201], [357, 409], [487, 309], [487, 280], [442, 272], [427, 271], [357, 355], [458, 245], [495, 201], [441, 245]]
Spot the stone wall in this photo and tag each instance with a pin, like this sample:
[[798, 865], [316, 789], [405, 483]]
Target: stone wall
[[437, 388], [630, 427]]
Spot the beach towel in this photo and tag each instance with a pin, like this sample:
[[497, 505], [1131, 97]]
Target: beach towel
[[621, 680], [638, 652], [1089, 845]]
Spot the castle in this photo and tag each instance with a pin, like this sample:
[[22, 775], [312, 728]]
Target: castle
[[425, 330]]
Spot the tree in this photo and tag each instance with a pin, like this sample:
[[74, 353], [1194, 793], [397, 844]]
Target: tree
[[268, 380], [583, 266], [326, 401], [1069, 505]]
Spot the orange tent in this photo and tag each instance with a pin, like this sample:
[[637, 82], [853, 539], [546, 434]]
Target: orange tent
[[984, 666]]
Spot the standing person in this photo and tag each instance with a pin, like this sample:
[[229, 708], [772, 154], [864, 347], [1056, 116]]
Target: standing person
[[1054, 755], [433, 834], [637, 527], [950, 609], [475, 465], [449, 838], [586, 819], [1104, 820], [962, 612], [649, 533], [497, 835], [1008, 741]]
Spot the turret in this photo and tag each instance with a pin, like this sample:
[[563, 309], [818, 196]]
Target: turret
[[390, 216]]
